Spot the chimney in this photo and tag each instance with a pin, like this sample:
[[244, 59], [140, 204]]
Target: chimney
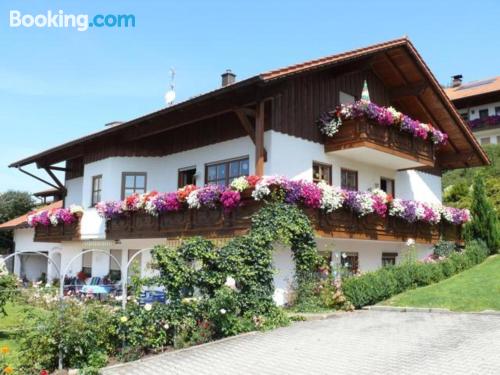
[[228, 78], [456, 80]]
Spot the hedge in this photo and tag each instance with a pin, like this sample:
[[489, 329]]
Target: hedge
[[373, 287]]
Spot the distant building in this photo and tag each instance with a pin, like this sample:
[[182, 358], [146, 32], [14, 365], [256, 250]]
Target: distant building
[[478, 102]]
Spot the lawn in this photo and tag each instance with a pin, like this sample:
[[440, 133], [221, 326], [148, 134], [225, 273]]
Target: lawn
[[10, 324], [476, 289]]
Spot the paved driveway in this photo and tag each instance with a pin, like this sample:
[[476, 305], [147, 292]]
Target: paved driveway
[[366, 342]]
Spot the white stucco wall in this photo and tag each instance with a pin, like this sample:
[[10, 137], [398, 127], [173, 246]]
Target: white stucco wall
[[284, 274], [75, 189], [162, 171], [370, 252], [419, 186], [32, 265]]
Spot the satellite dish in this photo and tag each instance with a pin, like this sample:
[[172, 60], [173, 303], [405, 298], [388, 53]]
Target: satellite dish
[[169, 97], [170, 94]]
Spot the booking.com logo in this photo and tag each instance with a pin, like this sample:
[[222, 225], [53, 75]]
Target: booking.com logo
[[79, 22]]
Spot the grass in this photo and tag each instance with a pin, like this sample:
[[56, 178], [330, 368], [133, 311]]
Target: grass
[[10, 324], [476, 289]]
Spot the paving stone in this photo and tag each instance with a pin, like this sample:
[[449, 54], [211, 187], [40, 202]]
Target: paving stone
[[364, 342]]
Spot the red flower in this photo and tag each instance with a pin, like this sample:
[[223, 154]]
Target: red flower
[[183, 193], [253, 180], [44, 372]]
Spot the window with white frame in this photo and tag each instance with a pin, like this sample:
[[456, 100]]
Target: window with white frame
[[115, 269]]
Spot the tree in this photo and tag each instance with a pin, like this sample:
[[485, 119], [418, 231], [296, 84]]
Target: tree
[[457, 191], [484, 224], [12, 204]]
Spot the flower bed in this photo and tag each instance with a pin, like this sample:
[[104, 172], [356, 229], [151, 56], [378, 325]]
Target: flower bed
[[330, 122], [55, 217], [319, 196]]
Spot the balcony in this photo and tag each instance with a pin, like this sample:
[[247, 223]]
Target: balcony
[[58, 233], [386, 146], [216, 223]]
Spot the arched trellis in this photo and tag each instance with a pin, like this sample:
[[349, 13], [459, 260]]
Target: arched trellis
[[65, 269], [62, 274], [18, 254], [125, 275]]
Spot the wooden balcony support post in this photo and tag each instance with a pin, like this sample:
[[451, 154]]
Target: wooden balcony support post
[[259, 139]]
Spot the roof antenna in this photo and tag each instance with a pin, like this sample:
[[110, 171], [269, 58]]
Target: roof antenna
[[170, 94]]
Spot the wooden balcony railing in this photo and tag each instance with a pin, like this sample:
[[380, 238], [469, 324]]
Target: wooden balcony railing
[[216, 223], [388, 139], [58, 233]]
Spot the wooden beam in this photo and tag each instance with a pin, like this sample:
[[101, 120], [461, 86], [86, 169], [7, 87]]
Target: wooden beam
[[61, 169], [37, 178], [247, 125], [411, 89], [55, 179], [259, 139]]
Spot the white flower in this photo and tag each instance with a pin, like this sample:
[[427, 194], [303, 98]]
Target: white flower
[[148, 307], [222, 311], [166, 326], [397, 209], [410, 242], [150, 207], [261, 189], [331, 197], [30, 219], [240, 184], [230, 282], [53, 220], [192, 200], [365, 202]]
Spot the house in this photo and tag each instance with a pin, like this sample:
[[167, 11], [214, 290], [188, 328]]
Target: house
[[478, 103], [267, 125]]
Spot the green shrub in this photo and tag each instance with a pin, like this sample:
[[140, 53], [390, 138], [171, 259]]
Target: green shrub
[[85, 333], [373, 287], [444, 248], [484, 225]]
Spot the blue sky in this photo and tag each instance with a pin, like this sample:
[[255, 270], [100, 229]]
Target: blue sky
[[59, 84]]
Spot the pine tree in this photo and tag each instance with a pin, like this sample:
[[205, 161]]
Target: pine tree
[[484, 224]]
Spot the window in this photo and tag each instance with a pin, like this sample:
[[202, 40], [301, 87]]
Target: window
[[322, 172], [483, 114], [96, 189], [115, 270], [135, 266], [187, 176], [497, 111], [389, 259], [485, 141], [350, 262], [465, 116], [87, 263], [348, 179], [222, 173], [387, 185], [133, 183]]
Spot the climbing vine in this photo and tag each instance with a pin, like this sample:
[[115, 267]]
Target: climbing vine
[[197, 268]]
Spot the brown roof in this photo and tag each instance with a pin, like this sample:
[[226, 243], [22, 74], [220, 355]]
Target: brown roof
[[21, 221], [340, 57], [474, 88], [409, 66]]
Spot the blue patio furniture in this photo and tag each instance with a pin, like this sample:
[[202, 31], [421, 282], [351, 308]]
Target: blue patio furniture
[[151, 296]]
